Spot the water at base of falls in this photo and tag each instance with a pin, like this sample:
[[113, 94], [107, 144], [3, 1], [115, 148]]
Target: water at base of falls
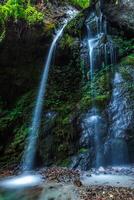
[[22, 181]]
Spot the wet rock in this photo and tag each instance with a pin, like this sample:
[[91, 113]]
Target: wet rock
[[81, 161], [62, 175], [101, 169], [121, 117], [121, 15], [77, 182]]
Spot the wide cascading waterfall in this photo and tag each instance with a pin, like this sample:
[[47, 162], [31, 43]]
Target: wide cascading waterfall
[[30, 149], [101, 53]]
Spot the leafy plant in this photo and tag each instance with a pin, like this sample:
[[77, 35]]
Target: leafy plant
[[81, 3], [32, 15], [19, 10]]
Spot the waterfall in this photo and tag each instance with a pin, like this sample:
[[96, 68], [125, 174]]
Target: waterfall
[[101, 53], [30, 149], [119, 122]]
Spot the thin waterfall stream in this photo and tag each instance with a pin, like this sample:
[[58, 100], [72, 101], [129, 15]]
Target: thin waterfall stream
[[30, 149], [26, 179]]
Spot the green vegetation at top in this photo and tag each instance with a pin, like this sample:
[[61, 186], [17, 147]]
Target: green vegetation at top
[[81, 3], [19, 10], [23, 10]]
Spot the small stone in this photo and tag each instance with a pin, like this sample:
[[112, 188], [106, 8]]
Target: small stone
[[101, 170], [77, 182]]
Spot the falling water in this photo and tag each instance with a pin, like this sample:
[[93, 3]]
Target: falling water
[[101, 53], [26, 179], [30, 150], [96, 122], [31, 144], [119, 122], [91, 43]]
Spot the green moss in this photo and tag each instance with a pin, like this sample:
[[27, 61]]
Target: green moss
[[81, 3], [125, 71], [97, 91], [81, 101], [75, 26], [19, 10], [64, 163], [14, 127], [32, 16], [125, 45], [67, 41], [49, 28], [128, 60], [20, 135], [64, 130], [85, 102], [83, 150]]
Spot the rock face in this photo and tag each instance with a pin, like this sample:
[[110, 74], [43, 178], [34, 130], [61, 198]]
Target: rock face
[[105, 140], [63, 94], [121, 14], [92, 137], [21, 63], [22, 60], [67, 129], [121, 116]]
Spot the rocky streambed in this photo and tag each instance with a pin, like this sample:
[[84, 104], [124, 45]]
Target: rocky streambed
[[66, 184]]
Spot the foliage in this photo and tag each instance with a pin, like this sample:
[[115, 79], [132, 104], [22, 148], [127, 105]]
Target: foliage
[[83, 150], [74, 27], [19, 10], [98, 90], [126, 64], [14, 127], [2, 36], [125, 46], [32, 15], [66, 41], [128, 60], [81, 3], [64, 163]]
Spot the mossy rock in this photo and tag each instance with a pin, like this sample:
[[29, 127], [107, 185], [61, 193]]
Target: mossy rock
[[125, 45], [75, 26]]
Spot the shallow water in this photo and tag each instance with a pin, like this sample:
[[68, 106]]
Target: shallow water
[[109, 180]]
